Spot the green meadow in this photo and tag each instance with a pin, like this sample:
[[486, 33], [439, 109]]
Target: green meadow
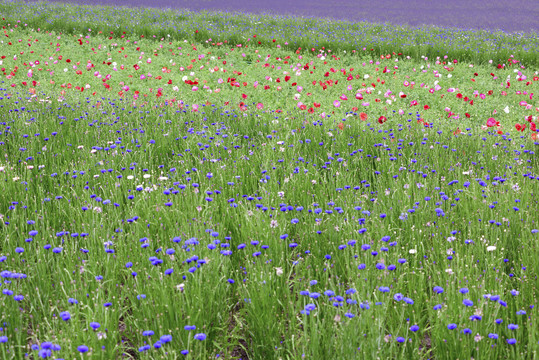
[[181, 185]]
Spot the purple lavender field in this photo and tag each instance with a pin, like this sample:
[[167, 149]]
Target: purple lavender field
[[513, 16]]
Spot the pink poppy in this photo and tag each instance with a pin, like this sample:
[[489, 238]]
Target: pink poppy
[[491, 122]]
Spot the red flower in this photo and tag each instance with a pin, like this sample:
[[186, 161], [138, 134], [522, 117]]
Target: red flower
[[382, 119]]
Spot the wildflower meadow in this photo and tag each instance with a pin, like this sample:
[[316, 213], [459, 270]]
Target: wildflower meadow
[[180, 185]]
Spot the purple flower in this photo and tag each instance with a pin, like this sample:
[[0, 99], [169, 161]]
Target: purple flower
[[200, 337]]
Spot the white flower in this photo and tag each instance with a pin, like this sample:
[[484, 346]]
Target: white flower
[[279, 271], [491, 248], [506, 109], [130, 177], [412, 251], [147, 176], [163, 178]]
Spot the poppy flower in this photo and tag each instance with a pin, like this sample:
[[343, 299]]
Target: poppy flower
[[363, 116], [491, 122], [382, 119]]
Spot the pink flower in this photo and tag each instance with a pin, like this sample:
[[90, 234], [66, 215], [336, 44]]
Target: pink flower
[[336, 103], [491, 122], [343, 97], [260, 106]]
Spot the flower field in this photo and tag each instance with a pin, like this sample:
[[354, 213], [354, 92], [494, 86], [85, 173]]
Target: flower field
[[175, 191]]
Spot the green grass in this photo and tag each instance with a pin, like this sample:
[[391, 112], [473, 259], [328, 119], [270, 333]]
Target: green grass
[[256, 203]]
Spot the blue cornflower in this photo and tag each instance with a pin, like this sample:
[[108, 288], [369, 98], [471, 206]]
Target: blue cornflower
[[408, 300], [438, 289], [200, 336], [165, 339], [65, 315]]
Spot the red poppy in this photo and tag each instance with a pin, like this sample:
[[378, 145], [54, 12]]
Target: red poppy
[[382, 119], [363, 116]]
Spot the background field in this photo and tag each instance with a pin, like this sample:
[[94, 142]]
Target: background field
[[516, 16]]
